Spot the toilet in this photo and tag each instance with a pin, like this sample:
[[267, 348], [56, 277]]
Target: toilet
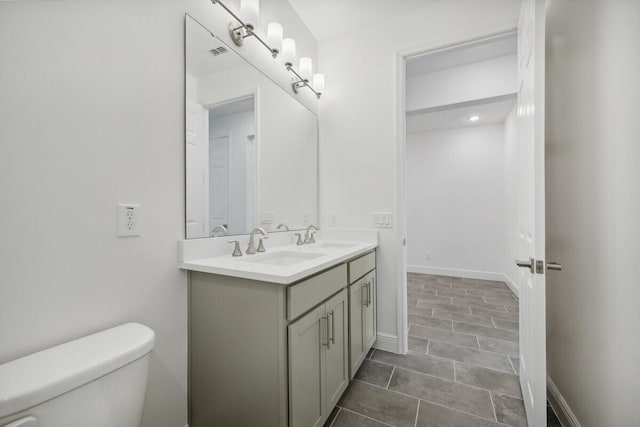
[[96, 381]]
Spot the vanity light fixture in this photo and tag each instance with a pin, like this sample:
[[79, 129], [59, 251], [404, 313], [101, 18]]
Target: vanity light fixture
[[241, 28]]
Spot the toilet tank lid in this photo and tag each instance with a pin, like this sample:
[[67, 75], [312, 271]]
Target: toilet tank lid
[[41, 376]]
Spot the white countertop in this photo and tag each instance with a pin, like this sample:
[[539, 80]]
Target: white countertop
[[329, 250]]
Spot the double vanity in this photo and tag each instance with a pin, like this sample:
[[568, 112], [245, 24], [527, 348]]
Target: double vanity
[[274, 338]]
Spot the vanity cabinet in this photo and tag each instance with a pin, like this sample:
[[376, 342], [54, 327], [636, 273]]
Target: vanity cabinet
[[362, 310], [318, 362], [276, 355]]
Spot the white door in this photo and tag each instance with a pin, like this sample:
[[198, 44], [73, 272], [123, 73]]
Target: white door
[[219, 165], [197, 155], [531, 39]]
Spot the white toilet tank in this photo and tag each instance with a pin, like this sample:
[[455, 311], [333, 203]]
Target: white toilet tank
[[96, 381]]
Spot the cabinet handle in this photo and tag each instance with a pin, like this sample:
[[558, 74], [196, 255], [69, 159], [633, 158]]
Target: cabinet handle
[[328, 343], [333, 328], [364, 295], [369, 294]]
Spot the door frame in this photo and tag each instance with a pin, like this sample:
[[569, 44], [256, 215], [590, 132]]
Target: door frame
[[401, 152], [255, 94]]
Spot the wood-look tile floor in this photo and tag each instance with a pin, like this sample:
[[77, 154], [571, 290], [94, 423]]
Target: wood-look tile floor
[[462, 365]]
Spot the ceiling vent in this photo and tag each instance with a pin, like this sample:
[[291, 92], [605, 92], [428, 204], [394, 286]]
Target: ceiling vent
[[218, 50]]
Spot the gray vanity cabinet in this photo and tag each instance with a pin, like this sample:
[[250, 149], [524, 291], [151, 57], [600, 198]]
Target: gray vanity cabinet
[[272, 355], [318, 362], [362, 310]]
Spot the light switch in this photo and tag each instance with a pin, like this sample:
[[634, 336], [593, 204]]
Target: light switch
[[382, 220]]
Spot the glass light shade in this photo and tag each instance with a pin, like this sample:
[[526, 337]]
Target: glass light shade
[[306, 68], [274, 36], [249, 10], [289, 51], [318, 82]]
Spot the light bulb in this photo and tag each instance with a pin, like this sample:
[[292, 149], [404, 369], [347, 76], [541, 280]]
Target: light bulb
[[274, 36], [249, 10], [318, 82], [289, 51], [306, 68], [474, 118]]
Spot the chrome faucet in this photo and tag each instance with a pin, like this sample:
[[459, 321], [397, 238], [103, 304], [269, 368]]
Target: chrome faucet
[[282, 225], [220, 228], [251, 249], [308, 238]]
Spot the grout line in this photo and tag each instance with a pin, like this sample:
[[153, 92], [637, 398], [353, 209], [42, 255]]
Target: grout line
[[515, 371], [454, 371], [493, 406], [364, 416], [415, 424], [494, 323], [390, 376]]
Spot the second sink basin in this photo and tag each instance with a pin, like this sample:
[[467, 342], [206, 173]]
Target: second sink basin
[[283, 258]]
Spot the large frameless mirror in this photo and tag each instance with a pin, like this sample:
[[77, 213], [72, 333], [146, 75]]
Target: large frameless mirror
[[251, 148]]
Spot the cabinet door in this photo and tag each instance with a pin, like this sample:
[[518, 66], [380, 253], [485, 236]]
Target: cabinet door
[[337, 359], [307, 340], [369, 318], [357, 294]]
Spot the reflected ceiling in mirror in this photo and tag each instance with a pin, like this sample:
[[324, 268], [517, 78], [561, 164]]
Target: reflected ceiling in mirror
[[251, 149]]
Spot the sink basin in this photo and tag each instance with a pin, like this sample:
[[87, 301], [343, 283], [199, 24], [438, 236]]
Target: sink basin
[[336, 244], [283, 258]]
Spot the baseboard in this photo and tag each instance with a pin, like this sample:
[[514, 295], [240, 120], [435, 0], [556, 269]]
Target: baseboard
[[387, 342], [455, 272], [512, 284], [560, 406]]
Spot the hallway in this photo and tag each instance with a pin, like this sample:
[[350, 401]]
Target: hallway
[[461, 369]]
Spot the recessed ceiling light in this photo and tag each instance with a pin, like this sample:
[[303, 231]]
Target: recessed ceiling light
[[474, 118]]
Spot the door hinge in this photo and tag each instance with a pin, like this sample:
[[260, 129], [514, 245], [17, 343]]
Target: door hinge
[[539, 267]]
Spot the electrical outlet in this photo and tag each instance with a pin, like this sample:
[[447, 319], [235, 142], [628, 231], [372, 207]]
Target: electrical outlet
[[333, 219], [427, 256], [305, 218], [382, 220], [129, 220]]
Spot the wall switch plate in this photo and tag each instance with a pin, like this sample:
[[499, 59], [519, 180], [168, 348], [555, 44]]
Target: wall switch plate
[[382, 219], [129, 220], [267, 217]]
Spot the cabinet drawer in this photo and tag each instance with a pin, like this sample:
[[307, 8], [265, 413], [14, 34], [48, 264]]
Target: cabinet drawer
[[361, 266], [305, 295]]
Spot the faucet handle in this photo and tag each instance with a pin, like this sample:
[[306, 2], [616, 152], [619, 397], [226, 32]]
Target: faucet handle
[[311, 238], [261, 244], [299, 242], [236, 248]]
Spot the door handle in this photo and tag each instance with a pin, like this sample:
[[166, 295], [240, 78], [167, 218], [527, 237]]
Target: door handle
[[554, 266], [531, 264]]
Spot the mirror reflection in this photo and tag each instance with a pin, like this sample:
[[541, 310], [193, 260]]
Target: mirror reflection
[[251, 148]]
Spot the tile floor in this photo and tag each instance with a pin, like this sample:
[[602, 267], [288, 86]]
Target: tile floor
[[461, 369]]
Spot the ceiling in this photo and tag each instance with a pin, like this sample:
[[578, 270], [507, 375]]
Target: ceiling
[[463, 55], [329, 18], [490, 111]]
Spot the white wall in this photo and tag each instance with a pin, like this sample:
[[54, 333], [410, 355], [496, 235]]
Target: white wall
[[358, 122], [470, 82], [92, 114], [593, 202], [455, 202]]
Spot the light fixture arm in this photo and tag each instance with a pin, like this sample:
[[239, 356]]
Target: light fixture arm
[[239, 30], [300, 82]]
